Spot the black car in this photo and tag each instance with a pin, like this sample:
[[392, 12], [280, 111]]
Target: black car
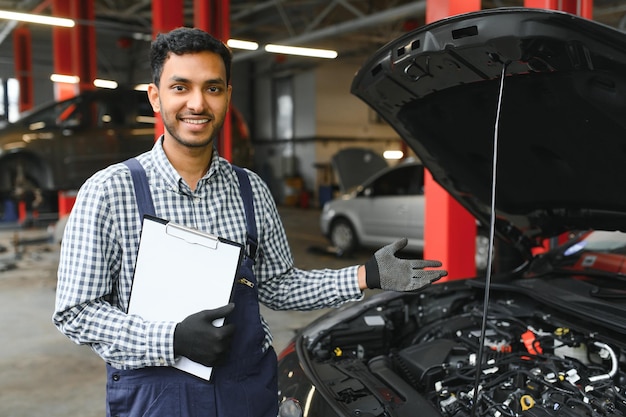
[[56, 147], [520, 114]]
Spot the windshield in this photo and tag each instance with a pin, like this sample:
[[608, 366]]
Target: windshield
[[61, 113]]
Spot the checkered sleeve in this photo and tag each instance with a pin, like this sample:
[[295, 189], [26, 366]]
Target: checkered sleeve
[[94, 282], [281, 285]]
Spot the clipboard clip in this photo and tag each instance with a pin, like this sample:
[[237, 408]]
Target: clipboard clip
[[192, 236]]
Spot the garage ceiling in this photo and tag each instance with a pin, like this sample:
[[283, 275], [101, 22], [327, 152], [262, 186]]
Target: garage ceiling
[[355, 28], [351, 26]]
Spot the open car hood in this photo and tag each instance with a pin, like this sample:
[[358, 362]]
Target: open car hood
[[353, 166], [561, 122]]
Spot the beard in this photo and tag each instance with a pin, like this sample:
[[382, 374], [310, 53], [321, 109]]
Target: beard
[[199, 140]]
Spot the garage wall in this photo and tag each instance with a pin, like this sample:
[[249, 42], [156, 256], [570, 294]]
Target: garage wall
[[327, 118]]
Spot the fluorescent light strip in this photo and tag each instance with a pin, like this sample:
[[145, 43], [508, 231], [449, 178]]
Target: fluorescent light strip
[[389, 154], [239, 44], [32, 18], [294, 50], [105, 83], [74, 79], [60, 78]]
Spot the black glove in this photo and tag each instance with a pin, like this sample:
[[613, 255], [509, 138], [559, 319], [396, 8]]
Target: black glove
[[386, 271], [196, 337]]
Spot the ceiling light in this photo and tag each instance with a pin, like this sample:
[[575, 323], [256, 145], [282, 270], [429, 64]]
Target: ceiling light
[[33, 18], [60, 78], [239, 44], [105, 83], [393, 154], [142, 87], [142, 36], [294, 50]]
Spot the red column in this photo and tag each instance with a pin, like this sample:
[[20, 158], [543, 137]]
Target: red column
[[213, 16], [74, 48], [440, 9], [583, 8], [22, 52], [450, 231], [166, 15], [66, 200], [62, 46], [74, 54], [84, 44]]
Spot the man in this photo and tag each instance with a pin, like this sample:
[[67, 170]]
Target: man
[[191, 185]]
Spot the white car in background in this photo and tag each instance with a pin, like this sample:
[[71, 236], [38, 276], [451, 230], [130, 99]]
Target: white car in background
[[387, 206]]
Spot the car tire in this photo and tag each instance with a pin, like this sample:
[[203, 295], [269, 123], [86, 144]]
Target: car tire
[[343, 236], [21, 179]]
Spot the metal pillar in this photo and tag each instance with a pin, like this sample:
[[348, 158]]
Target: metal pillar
[[450, 231], [166, 15], [213, 16]]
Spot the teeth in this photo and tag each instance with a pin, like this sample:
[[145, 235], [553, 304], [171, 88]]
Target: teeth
[[196, 122]]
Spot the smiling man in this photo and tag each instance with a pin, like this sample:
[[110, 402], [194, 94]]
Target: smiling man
[[191, 185]]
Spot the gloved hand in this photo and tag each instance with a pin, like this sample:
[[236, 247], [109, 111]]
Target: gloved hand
[[386, 271], [196, 337]]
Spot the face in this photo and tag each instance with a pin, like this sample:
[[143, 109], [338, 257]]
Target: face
[[192, 98]]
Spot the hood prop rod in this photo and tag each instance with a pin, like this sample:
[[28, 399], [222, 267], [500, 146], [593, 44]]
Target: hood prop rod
[[492, 221]]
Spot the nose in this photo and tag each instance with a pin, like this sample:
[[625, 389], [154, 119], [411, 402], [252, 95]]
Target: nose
[[196, 101]]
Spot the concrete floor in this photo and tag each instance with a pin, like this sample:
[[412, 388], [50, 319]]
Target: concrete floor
[[42, 373]]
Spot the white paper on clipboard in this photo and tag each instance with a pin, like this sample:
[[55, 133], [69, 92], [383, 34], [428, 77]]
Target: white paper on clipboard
[[181, 271]]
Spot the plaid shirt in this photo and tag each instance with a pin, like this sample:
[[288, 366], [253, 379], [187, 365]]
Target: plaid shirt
[[101, 239]]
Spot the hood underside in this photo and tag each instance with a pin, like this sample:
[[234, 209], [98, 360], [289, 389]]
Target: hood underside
[[560, 123]]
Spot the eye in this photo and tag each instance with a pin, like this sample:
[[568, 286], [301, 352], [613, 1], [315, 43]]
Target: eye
[[214, 89], [178, 88]]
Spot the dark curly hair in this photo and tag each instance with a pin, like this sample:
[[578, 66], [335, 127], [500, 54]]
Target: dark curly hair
[[185, 40]]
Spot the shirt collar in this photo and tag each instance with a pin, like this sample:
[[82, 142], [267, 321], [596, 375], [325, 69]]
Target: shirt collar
[[171, 176]]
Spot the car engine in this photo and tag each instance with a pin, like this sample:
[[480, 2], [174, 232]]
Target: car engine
[[422, 353]]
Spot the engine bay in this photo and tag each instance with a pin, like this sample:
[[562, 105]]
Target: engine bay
[[423, 353]]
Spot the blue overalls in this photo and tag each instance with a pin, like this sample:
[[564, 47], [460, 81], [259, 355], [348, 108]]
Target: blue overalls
[[245, 385]]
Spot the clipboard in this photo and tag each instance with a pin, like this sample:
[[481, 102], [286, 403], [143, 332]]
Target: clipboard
[[181, 271]]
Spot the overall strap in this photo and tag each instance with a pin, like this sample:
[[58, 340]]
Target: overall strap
[[142, 188], [245, 189]]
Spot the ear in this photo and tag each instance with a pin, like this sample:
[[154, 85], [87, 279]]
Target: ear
[[153, 96]]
